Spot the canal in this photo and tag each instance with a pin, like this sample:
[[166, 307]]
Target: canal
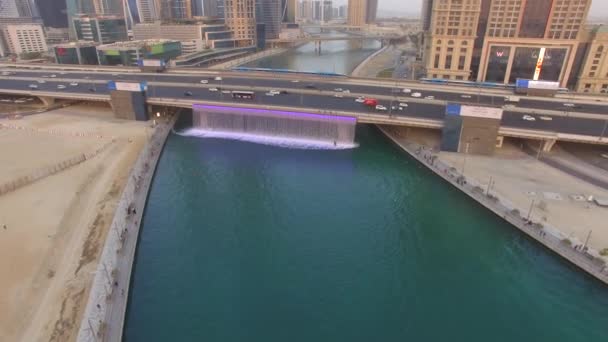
[[340, 57], [248, 242]]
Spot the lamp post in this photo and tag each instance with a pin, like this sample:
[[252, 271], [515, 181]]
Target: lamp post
[[530, 211]]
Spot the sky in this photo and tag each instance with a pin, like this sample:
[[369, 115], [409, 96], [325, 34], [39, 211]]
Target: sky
[[599, 7]]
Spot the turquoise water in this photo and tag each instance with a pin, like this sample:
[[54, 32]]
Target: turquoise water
[[340, 57], [246, 242]]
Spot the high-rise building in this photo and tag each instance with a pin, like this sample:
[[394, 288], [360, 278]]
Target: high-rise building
[[327, 10], [593, 77], [18, 8], [357, 12], [343, 11], [101, 29], [288, 8], [269, 13], [371, 11], [108, 7], [502, 40], [204, 8], [25, 38], [220, 8], [240, 19], [317, 10], [176, 9], [53, 12]]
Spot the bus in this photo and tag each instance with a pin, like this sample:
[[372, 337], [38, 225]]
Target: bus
[[240, 94]]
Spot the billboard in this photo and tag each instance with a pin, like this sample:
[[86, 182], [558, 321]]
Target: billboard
[[481, 112], [151, 62], [127, 86]]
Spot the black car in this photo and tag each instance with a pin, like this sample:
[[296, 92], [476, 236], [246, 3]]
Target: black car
[[92, 90], [284, 92], [188, 93], [310, 86]]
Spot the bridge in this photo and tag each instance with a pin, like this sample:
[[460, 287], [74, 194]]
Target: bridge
[[318, 39], [552, 121]]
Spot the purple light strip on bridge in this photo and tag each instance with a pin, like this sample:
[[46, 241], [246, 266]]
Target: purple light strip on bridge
[[296, 114]]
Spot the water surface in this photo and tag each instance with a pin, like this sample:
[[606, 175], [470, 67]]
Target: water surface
[[247, 242]]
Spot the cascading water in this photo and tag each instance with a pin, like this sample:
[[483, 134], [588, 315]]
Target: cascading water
[[292, 129]]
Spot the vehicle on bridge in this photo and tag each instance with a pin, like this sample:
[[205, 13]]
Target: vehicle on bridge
[[370, 102], [245, 95]]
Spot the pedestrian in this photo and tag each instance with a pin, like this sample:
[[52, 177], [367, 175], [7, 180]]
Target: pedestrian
[[4, 227], [122, 292], [116, 284], [99, 306]]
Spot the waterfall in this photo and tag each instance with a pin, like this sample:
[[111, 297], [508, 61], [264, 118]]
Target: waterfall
[[273, 126]]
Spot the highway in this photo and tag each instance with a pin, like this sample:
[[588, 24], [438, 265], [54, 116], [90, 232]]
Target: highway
[[433, 111], [473, 96], [178, 84]]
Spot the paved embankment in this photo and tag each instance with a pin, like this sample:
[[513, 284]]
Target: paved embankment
[[360, 69], [248, 58], [547, 236], [103, 319]]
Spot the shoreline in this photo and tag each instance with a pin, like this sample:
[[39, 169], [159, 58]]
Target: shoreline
[[105, 311], [546, 237], [357, 70]]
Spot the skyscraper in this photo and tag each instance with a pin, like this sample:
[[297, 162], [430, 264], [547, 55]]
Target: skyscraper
[[269, 13], [240, 19], [204, 8], [288, 11], [502, 40], [371, 11], [176, 9], [107, 7], [18, 8], [53, 12], [357, 12]]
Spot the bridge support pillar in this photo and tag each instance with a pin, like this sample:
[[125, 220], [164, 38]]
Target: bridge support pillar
[[548, 145], [47, 101]]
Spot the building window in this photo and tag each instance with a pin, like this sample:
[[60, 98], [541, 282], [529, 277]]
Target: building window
[[587, 86], [436, 62]]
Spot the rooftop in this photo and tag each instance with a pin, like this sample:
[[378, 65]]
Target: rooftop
[[135, 44]]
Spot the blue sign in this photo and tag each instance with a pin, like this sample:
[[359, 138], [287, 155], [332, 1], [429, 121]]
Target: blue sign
[[522, 83], [453, 109]]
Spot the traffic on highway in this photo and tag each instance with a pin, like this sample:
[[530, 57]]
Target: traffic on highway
[[337, 94]]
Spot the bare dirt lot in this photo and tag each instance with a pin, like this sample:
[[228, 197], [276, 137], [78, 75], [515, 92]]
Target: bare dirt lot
[[52, 230]]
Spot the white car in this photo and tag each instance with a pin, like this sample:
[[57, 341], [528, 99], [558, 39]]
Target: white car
[[528, 118], [60, 86], [226, 92], [546, 118], [465, 96], [53, 76], [295, 81], [338, 89], [338, 95], [204, 81], [407, 91], [416, 95], [5, 100], [270, 94], [570, 105], [429, 97], [19, 101], [74, 84], [275, 92], [359, 100], [346, 91], [33, 86], [41, 81], [380, 107], [402, 104], [213, 89], [400, 108], [218, 78]]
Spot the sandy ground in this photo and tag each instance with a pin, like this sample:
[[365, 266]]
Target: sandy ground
[[519, 179], [55, 227]]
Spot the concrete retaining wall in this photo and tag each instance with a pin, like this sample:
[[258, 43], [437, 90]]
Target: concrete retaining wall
[[103, 319]]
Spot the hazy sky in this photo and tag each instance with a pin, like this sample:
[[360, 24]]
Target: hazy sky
[[599, 7]]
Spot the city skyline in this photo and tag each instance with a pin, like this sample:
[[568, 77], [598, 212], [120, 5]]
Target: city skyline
[[415, 6]]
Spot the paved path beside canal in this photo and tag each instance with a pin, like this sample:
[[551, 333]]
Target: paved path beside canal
[[104, 315], [575, 252]]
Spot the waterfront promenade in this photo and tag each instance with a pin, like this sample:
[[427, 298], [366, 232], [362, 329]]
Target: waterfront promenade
[[547, 236], [104, 315]]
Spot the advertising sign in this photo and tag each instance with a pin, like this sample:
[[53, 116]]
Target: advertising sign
[[481, 112]]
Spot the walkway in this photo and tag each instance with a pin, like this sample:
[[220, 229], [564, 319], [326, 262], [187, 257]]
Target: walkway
[[104, 315]]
